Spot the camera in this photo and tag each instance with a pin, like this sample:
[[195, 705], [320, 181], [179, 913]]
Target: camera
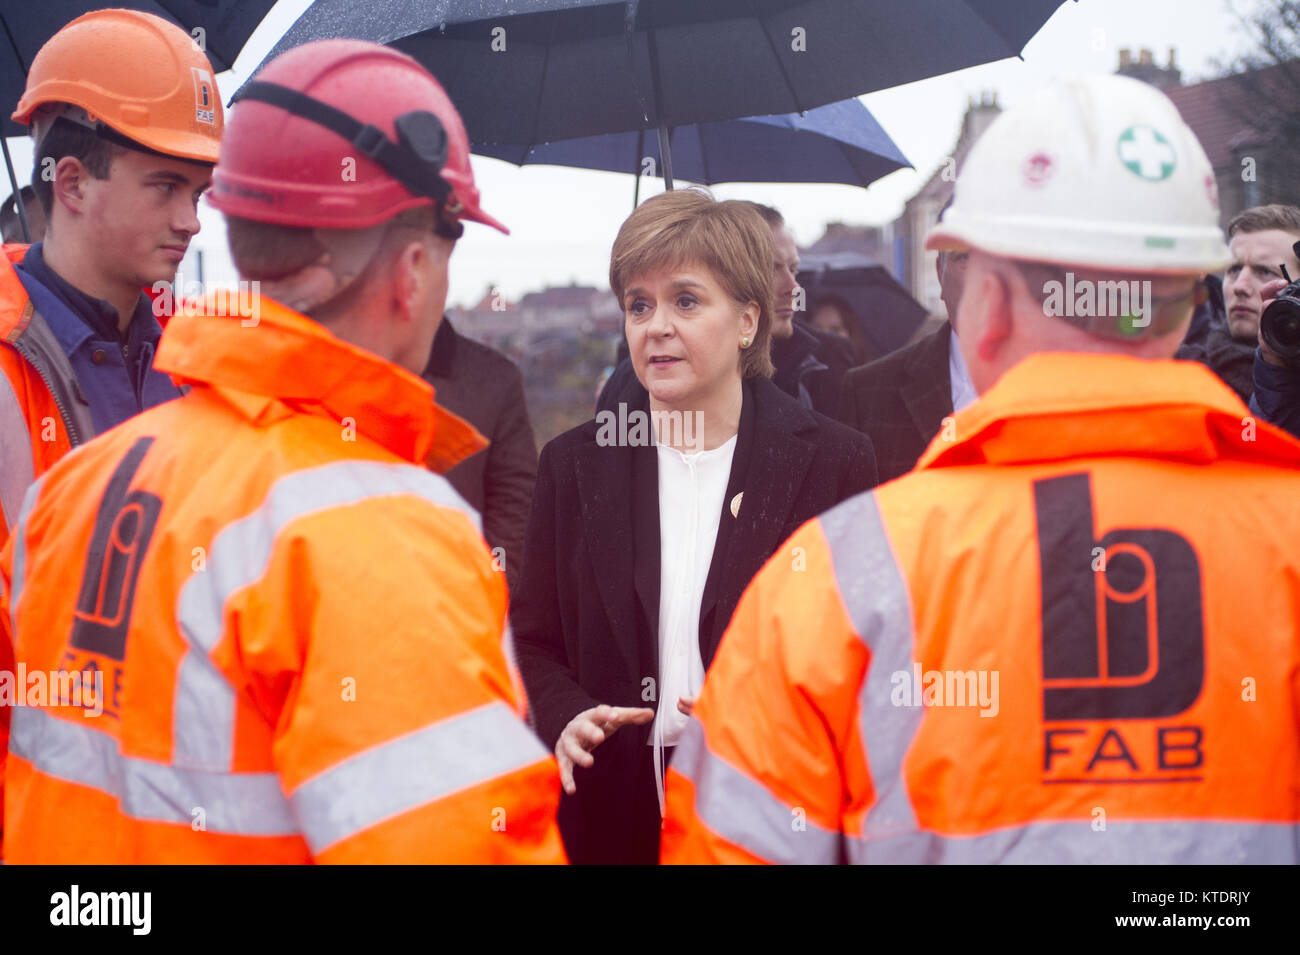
[[1279, 326]]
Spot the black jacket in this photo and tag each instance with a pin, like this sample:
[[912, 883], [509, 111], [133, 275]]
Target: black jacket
[[810, 365], [585, 616], [485, 388], [900, 401], [1209, 341]]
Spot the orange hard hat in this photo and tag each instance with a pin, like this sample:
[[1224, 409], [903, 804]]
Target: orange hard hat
[[137, 74]]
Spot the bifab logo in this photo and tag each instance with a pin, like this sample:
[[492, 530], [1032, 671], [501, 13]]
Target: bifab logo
[[205, 96], [1123, 639]]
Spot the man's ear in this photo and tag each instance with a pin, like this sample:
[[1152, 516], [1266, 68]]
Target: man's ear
[[410, 279], [70, 180], [986, 314]]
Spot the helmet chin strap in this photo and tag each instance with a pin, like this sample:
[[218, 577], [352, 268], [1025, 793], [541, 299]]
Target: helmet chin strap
[[415, 160]]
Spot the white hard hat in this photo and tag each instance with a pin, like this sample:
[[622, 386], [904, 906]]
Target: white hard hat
[[1095, 171]]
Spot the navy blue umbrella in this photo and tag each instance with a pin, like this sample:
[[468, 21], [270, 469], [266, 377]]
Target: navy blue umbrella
[[532, 71], [25, 25], [839, 142]]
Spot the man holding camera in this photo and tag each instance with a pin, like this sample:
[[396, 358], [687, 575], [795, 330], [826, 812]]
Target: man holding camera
[[1265, 246]]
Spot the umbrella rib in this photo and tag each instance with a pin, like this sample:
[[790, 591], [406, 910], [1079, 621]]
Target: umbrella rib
[[996, 32], [13, 45], [799, 107], [629, 33], [541, 85]]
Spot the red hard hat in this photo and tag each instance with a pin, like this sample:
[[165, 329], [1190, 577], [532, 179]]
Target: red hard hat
[[343, 134]]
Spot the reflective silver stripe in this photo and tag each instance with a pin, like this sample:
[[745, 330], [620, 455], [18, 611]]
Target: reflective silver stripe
[[248, 804], [744, 813], [204, 711], [877, 600], [19, 534], [1121, 842], [17, 469], [413, 770]]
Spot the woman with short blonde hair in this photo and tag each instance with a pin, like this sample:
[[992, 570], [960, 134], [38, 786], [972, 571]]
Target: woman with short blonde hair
[[643, 537]]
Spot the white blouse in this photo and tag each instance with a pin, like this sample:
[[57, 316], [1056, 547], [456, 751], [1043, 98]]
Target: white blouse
[[691, 492]]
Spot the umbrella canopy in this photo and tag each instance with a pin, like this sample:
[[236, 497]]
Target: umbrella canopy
[[886, 313], [840, 142], [25, 26], [532, 71]]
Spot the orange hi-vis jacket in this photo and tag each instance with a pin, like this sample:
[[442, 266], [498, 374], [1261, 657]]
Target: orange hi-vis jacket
[[298, 629], [39, 419], [1072, 634]]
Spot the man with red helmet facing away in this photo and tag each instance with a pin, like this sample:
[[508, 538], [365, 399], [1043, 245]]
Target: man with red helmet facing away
[[297, 622]]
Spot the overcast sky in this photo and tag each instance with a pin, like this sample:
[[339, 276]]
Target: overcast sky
[[563, 221]]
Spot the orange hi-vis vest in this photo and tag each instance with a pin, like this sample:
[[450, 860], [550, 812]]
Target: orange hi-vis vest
[[39, 419], [1072, 634], [297, 629]]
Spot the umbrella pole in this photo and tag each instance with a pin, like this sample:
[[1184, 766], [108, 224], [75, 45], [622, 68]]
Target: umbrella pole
[[636, 173], [665, 153], [18, 193], [666, 156]]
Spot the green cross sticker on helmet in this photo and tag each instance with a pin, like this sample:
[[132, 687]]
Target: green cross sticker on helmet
[[1146, 153]]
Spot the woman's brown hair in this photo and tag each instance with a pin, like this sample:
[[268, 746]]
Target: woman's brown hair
[[730, 239]]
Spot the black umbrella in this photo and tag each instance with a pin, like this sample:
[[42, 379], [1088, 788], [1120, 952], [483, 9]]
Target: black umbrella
[[25, 25], [886, 313], [544, 70]]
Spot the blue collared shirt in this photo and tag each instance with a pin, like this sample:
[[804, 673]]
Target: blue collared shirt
[[115, 374], [963, 389]]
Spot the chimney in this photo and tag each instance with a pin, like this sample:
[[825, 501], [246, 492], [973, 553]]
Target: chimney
[[1147, 70]]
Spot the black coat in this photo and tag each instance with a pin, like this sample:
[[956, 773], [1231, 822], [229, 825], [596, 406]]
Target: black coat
[[485, 388], [900, 401], [1210, 342], [585, 616]]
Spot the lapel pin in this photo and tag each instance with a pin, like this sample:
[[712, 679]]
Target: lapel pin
[[735, 504]]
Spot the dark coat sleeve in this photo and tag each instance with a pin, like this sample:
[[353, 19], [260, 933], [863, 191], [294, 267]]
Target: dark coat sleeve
[[847, 410], [509, 476], [1277, 395], [554, 696], [862, 474]]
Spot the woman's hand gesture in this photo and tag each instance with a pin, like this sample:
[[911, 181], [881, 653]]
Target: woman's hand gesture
[[588, 730]]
